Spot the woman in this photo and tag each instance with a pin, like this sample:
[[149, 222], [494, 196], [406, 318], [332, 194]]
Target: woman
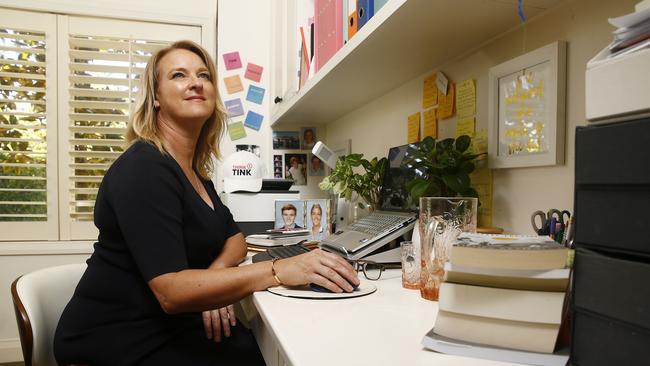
[[316, 213], [296, 172], [159, 286]]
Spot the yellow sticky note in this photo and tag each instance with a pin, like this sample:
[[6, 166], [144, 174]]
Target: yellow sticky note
[[233, 84], [414, 128], [446, 102], [482, 182], [465, 126], [236, 130], [466, 99], [429, 92], [480, 143], [430, 123]]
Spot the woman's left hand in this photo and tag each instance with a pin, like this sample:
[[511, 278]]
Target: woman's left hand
[[217, 322]]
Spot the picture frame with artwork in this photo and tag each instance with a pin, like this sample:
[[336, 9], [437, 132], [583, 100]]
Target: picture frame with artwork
[[314, 215], [295, 168], [527, 103], [286, 140]]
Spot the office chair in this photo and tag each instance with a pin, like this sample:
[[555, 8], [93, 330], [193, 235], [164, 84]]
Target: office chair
[[39, 299]]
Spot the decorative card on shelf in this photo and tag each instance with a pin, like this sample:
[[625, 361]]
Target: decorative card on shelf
[[253, 120], [307, 138], [236, 130], [255, 94], [232, 60], [314, 215], [234, 107], [527, 109], [253, 72], [296, 168], [286, 140], [233, 84]]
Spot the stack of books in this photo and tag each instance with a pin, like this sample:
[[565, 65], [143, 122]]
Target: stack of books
[[502, 299], [276, 238]]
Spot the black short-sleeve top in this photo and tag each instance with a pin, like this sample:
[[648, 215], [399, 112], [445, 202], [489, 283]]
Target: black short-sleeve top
[[151, 221]]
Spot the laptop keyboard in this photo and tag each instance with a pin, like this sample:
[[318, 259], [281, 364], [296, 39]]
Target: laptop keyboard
[[375, 223], [287, 251]]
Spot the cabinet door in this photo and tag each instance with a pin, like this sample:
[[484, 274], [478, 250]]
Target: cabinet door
[[284, 52]]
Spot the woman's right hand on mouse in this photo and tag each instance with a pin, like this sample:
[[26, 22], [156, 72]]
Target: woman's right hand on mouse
[[322, 268]]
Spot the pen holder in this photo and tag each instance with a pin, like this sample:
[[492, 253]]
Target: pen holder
[[441, 220]]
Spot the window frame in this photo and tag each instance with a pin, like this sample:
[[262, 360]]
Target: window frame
[[59, 228]]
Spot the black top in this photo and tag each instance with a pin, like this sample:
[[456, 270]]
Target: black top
[[151, 221]]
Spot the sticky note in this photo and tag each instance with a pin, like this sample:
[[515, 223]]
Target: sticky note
[[253, 120], [465, 126], [446, 102], [236, 131], [480, 143], [429, 92], [255, 94], [233, 84], [232, 60], [466, 99], [413, 128], [234, 107], [253, 72], [430, 123]]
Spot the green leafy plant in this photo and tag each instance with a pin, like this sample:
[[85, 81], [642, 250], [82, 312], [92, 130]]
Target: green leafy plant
[[347, 177], [445, 167]]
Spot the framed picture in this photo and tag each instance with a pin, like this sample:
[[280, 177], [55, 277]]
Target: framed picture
[[307, 138], [527, 109], [277, 166], [316, 166], [289, 214], [286, 140], [318, 218], [296, 168]]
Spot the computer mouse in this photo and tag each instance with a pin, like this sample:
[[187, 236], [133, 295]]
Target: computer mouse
[[319, 288]]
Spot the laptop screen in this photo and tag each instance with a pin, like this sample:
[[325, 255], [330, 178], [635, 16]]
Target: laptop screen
[[394, 195]]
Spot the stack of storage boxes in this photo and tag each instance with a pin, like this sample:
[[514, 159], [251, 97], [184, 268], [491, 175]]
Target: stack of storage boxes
[[611, 289]]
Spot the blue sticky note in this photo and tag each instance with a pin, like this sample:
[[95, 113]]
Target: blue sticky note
[[253, 120], [255, 94], [234, 107]]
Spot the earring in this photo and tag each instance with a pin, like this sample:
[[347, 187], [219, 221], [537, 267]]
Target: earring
[[156, 104]]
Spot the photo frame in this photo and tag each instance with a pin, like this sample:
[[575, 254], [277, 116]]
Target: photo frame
[[295, 218], [527, 103]]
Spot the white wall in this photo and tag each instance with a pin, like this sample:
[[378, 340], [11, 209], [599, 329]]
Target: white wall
[[21, 257], [517, 192]]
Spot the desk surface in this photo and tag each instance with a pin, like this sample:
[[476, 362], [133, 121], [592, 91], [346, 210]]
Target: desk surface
[[384, 328]]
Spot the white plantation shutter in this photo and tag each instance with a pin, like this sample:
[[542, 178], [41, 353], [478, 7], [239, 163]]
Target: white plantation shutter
[[28, 144], [104, 63]]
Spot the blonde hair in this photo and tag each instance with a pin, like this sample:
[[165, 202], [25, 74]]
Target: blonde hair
[[143, 125]]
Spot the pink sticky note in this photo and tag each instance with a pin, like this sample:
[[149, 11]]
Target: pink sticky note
[[232, 60], [253, 72]]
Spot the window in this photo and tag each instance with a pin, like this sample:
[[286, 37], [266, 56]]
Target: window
[[67, 86]]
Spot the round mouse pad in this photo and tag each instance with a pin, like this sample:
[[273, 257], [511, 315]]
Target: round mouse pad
[[305, 292]]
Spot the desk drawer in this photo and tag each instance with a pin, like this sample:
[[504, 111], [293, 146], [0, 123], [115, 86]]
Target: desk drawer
[[614, 287], [613, 154], [600, 341], [613, 218]]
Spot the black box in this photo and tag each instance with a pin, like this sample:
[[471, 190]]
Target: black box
[[617, 153], [615, 218], [614, 287], [598, 341]]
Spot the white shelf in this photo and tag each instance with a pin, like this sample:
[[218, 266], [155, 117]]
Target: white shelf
[[403, 40]]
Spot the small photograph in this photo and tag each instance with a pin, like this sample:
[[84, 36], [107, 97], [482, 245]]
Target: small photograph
[[286, 140], [255, 149], [277, 166], [295, 167], [318, 222], [289, 214], [316, 166], [307, 138]]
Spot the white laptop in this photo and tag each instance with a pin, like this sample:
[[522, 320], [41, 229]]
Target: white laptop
[[395, 217]]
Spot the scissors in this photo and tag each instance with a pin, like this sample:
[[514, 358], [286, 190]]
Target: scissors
[[545, 218]]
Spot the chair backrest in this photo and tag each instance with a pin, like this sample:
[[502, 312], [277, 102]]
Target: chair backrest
[[39, 299]]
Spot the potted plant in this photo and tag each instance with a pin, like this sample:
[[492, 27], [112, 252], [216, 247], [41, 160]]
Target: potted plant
[[354, 174], [442, 168]]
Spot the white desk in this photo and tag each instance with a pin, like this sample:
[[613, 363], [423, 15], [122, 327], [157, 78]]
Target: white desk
[[383, 328]]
